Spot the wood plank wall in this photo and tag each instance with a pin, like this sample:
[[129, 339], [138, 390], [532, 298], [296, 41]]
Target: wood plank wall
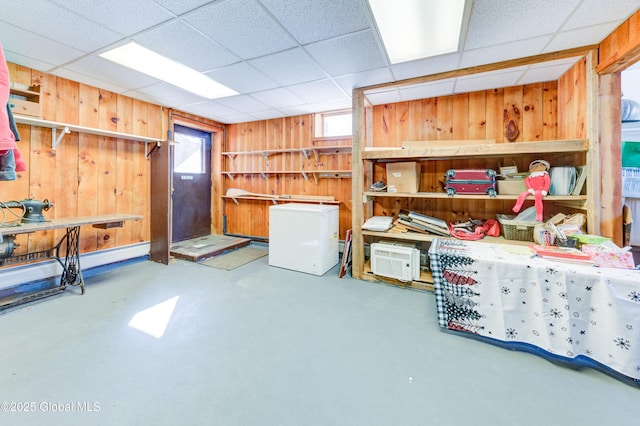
[[535, 110], [86, 175], [251, 218]]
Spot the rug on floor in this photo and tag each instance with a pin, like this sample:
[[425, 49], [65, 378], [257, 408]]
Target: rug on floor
[[235, 258]]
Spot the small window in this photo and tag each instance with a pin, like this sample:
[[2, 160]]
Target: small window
[[188, 154], [336, 123]]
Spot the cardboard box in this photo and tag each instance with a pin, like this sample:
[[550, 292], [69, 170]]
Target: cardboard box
[[403, 177], [512, 184]]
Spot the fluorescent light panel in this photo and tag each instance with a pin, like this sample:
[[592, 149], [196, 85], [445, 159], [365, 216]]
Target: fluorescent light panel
[[146, 61], [414, 29]]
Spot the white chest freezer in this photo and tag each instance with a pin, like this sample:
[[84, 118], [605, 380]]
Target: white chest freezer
[[303, 237]]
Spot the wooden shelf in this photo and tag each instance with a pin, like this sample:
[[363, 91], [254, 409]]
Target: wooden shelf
[[316, 150], [305, 173], [424, 283], [65, 128], [281, 200], [473, 151], [417, 236], [443, 195]]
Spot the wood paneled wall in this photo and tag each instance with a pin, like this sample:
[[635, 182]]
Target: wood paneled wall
[[250, 217], [538, 112], [86, 175]]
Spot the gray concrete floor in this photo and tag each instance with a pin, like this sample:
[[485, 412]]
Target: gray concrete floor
[[261, 345]]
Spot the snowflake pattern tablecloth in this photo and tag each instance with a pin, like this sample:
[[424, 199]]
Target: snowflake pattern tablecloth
[[567, 309]]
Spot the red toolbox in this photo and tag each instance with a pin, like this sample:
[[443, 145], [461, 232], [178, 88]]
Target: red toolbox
[[471, 181]]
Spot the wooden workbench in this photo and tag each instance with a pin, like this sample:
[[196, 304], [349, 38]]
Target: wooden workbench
[[66, 251]]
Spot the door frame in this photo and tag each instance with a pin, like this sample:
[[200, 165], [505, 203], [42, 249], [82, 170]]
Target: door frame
[[161, 183]]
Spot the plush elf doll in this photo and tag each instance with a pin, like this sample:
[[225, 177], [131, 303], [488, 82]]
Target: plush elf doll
[[537, 184]]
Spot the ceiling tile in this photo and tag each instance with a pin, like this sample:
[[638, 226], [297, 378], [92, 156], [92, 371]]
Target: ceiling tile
[[170, 95], [504, 52], [489, 80], [384, 97], [594, 12], [318, 91], [547, 71], [499, 21], [276, 98], [289, 67], [24, 61], [123, 16], [428, 66], [348, 54], [583, 36], [184, 44], [66, 27], [103, 69], [209, 109], [39, 49], [89, 80], [243, 103], [242, 26], [427, 90], [313, 20], [332, 105], [237, 118], [292, 111], [243, 78], [181, 6], [268, 114], [363, 79]]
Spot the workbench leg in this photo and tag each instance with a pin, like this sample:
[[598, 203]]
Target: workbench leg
[[71, 273]]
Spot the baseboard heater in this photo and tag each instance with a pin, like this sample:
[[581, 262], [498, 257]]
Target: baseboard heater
[[395, 259]]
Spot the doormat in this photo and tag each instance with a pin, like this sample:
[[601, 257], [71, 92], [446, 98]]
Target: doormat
[[233, 259]]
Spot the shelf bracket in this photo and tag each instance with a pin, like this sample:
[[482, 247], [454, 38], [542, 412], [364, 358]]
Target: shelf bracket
[[305, 152], [229, 175], [265, 154], [55, 138], [305, 176], [148, 152], [264, 175]]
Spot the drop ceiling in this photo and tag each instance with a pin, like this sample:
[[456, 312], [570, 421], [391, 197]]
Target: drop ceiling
[[290, 57]]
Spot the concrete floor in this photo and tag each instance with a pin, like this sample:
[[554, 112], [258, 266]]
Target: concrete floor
[[261, 345]]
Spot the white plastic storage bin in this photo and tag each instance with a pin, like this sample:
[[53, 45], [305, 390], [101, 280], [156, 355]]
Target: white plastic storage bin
[[303, 237]]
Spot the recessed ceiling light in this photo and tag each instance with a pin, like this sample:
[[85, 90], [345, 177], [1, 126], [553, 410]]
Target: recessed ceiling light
[[414, 29], [146, 61]]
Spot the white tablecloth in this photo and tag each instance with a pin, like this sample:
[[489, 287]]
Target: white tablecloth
[[575, 311]]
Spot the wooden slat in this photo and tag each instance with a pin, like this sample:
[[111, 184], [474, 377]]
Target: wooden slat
[[107, 170], [88, 151]]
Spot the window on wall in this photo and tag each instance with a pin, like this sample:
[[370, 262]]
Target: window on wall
[[188, 154], [335, 123]]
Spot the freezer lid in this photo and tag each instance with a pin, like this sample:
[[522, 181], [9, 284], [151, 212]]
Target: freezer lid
[[301, 207]]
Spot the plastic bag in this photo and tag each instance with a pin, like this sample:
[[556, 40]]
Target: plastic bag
[[475, 229]]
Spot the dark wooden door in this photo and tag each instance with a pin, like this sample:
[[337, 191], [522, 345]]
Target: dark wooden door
[[160, 222], [191, 199]]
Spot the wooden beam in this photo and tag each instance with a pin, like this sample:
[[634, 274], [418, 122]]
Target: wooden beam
[[610, 160], [621, 48], [357, 183], [512, 63]]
